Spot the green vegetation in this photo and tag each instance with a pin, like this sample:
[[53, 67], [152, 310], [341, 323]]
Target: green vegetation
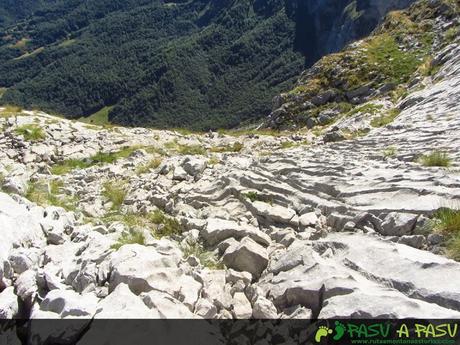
[[400, 49], [213, 161], [384, 54], [99, 118], [157, 221], [50, 194], [436, 159], [9, 111], [390, 151], [235, 147], [166, 226], [369, 108], [31, 132], [349, 135], [153, 164], [99, 158], [447, 221], [115, 192], [207, 258], [385, 119], [254, 196], [132, 237], [191, 150], [184, 149], [451, 34], [194, 64]]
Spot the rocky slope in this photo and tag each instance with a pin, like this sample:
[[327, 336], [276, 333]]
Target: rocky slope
[[383, 67], [116, 222]]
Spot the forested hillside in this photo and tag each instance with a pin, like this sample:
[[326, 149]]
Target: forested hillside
[[199, 64]]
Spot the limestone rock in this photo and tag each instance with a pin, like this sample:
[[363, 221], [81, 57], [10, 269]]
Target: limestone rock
[[398, 224], [246, 256]]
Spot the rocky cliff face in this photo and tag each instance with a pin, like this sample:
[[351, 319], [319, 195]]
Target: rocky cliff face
[[386, 65], [326, 26]]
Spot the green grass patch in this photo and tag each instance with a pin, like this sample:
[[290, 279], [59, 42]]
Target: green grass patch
[[436, 159], [235, 147], [115, 192], [451, 34], [31, 132], [254, 196], [99, 158], [166, 226], [99, 118], [132, 237], [213, 161], [447, 221], [386, 119], [69, 165], [390, 151], [158, 223], [384, 54], [207, 258], [184, 149], [151, 165], [50, 194], [349, 135], [369, 108]]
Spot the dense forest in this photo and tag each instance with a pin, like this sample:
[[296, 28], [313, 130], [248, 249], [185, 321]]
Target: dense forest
[[196, 64], [201, 64]]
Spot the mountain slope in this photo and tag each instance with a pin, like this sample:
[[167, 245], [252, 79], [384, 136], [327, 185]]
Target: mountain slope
[[385, 65], [199, 64]]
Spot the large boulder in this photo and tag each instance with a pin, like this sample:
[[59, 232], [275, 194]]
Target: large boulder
[[145, 269], [9, 306], [122, 303], [218, 230], [167, 306], [246, 256], [68, 303], [264, 309], [273, 214], [398, 224], [194, 166]]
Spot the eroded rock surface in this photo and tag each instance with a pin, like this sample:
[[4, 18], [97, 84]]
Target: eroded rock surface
[[120, 223]]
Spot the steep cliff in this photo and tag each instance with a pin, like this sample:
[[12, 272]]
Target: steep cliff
[[385, 65]]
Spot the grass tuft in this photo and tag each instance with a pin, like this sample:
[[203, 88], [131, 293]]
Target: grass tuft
[[50, 194], [99, 158], [436, 159], [235, 147], [390, 151], [31, 132], [153, 164], [115, 192], [207, 258], [166, 226], [133, 237], [385, 119], [448, 223]]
